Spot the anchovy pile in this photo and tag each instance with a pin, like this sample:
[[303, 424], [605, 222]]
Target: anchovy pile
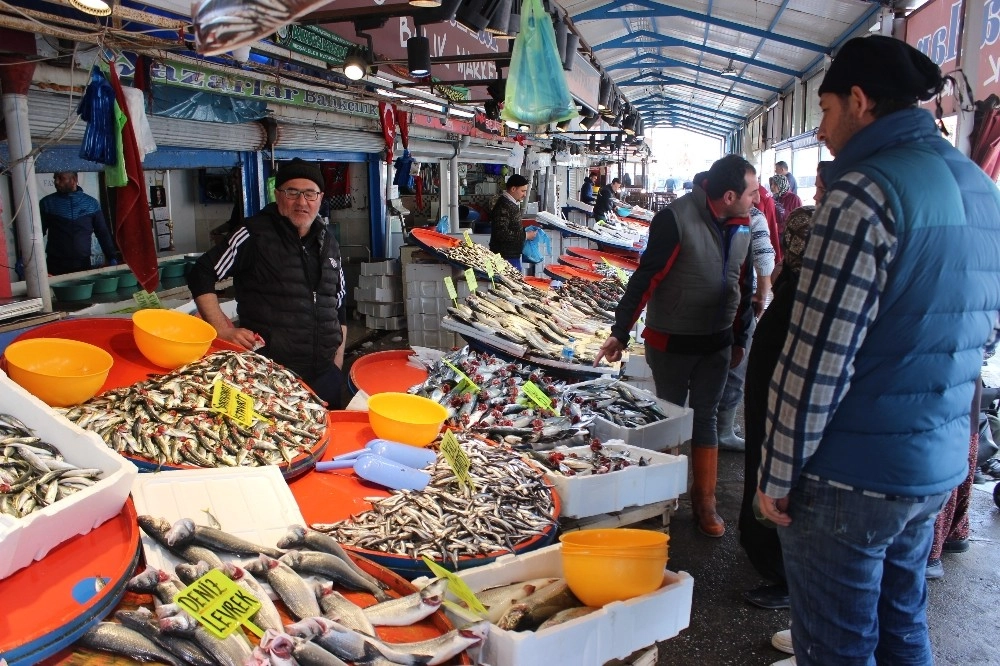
[[613, 401], [479, 257], [33, 474], [508, 504], [169, 420]]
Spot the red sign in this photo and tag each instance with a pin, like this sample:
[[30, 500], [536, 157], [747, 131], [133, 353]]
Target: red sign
[[935, 30], [987, 42]]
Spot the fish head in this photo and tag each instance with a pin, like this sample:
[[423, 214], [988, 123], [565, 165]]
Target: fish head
[[144, 582], [433, 594], [291, 558], [280, 647], [153, 526], [477, 630], [295, 536], [309, 628], [323, 589], [180, 532], [181, 623], [259, 657], [267, 563], [167, 610]]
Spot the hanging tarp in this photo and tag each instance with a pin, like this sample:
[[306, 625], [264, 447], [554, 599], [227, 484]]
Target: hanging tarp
[[206, 107]]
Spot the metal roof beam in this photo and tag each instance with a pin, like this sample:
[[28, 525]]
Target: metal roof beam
[[657, 10], [644, 80], [702, 119], [662, 100], [690, 124], [843, 37], [697, 115], [647, 39], [654, 60]]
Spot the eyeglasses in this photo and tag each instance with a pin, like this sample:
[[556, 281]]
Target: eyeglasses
[[308, 195]]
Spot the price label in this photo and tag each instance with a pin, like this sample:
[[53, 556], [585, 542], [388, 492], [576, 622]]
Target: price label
[[622, 277], [457, 586], [465, 384], [499, 261], [490, 270], [219, 604], [457, 458], [537, 396], [147, 301], [234, 403], [470, 279], [449, 287], [468, 238]]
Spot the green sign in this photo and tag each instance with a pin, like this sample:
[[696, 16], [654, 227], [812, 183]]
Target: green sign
[[147, 301], [315, 42], [203, 79]]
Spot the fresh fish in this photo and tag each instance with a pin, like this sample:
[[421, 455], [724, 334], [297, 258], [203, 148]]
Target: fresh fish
[[186, 532], [538, 607], [291, 588], [306, 539], [410, 609], [159, 583], [189, 573], [157, 528], [498, 600], [144, 622], [331, 567], [345, 643], [267, 617], [222, 25], [339, 608], [441, 649], [118, 639], [279, 648], [565, 616], [234, 650]]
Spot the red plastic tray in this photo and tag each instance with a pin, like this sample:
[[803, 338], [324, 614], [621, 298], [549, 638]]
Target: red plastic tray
[[386, 371], [433, 240], [567, 272], [539, 283], [577, 262], [616, 260]]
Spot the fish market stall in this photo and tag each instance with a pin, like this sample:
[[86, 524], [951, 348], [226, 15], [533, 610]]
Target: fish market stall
[[613, 233]]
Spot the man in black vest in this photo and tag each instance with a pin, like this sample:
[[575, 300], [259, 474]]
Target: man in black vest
[[289, 282], [607, 199]]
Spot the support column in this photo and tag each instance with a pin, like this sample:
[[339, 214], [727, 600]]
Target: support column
[[453, 194], [15, 77]]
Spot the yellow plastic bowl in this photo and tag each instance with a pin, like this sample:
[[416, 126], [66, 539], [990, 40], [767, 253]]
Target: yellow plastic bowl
[[59, 372], [401, 417], [602, 566], [169, 338]]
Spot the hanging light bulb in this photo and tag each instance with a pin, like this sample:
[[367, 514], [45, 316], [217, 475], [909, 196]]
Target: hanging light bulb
[[355, 66], [92, 7], [418, 56]]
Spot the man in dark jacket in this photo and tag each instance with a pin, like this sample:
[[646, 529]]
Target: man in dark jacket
[[286, 269], [507, 236], [587, 190], [70, 217], [606, 199]]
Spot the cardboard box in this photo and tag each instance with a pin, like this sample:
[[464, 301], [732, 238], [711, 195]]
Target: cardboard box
[[24, 540], [380, 309], [385, 323], [388, 267], [612, 632], [664, 478], [659, 436]]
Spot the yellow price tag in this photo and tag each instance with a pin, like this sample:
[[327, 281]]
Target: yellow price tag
[[457, 458], [490, 270], [147, 301], [457, 586], [468, 238], [219, 604], [465, 383], [537, 396], [232, 402], [499, 261], [449, 287], [470, 279]]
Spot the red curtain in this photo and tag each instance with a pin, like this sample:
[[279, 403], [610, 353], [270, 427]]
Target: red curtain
[[986, 136], [133, 231]]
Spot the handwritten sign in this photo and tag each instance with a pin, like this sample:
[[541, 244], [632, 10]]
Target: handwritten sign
[[457, 458], [537, 396], [468, 238], [622, 277], [147, 301], [470, 279], [457, 586], [465, 384], [490, 270], [449, 287], [234, 403], [219, 604], [499, 261]]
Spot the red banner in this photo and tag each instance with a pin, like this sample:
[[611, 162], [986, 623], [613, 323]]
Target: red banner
[[387, 116]]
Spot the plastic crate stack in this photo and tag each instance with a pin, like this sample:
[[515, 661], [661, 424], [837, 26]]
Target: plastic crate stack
[[379, 295], [427, 302]]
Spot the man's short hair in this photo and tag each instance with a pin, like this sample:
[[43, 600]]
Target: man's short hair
[[616, 180], [517, 180], [781, 165], [728, 173]]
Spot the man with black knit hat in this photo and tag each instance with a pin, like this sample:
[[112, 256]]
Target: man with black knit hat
[[289, 282], [869, 403]]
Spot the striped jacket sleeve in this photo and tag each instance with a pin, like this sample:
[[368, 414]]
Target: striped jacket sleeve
[[218, 263]]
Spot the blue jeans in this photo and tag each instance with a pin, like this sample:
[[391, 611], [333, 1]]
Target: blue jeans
[[855, 569]]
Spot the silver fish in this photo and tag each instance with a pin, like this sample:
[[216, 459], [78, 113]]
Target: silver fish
[[142, 621], [306, 539], [186, 532], [234, 650], [267, 617], [565, 616], [345, 643], [222, 25], [331, 567], [439, 650], [118, 639], [498, 600], [289, 586], [157, 528], [538, 607], [339, 608], [410, 609]]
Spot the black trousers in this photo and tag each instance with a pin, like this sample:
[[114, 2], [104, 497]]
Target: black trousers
[[328, 386]]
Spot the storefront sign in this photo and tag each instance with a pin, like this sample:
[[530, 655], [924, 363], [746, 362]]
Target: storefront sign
[[935, 30], [489, 126], [584, 81], [988, 41], [194, 77], [315, 42]]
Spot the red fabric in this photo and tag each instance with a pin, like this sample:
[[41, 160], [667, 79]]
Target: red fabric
[[766, 206], [403, 121], [133, 231], [418, 186], [986, 138], [336, 178], [387, 116]]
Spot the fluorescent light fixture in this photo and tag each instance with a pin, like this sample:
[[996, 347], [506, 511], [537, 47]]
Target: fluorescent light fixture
[[460, 113], [92, 7], [425, 3], [387, 93], [729, 71], [355, 66]]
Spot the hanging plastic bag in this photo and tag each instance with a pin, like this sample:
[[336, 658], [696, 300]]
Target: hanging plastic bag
[[537, 92], [443, 225], [96, 108], [534, 247]]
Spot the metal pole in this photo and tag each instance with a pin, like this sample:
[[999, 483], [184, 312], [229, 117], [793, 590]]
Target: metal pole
[[453, 194]]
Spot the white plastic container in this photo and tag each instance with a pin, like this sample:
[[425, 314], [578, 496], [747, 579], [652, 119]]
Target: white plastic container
[[658, 436], [612, 632], [581, 496], [24, 540]]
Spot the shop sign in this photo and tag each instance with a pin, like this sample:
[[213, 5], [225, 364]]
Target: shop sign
[[935, 30], [194, 77], [584, 81], [488, 125], [989, 51], [315, 42]]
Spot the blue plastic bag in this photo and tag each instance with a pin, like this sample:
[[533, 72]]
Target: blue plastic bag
[[532, 251], [443, 225]]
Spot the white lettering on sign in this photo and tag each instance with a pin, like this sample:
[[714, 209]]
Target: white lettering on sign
[[991, 22], [941, 45]]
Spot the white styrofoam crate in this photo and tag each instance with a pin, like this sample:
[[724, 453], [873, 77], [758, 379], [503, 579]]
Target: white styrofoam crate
[[660, 436], [612, 632], [636, 367], [388, 267], [385, 323], [427, 272], [431, 305], [423, 322], [442, 339], [380, 282], [380, 309], [24, 540], [378, 294], [582, 496]]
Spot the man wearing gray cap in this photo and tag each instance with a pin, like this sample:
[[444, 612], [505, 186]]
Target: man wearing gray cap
[[869, 404], [289, 282]]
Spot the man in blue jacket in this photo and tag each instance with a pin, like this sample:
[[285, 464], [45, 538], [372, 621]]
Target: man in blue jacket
[[869, 404], [69, 217]]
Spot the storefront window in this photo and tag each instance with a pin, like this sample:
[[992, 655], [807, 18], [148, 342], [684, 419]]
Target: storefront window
[[804, 170], [813, 114]]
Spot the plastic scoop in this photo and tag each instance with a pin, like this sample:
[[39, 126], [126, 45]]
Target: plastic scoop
[[411, 456], [383, 471]]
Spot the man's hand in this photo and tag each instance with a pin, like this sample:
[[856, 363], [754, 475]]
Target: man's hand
[[775, 510], [611, 350], [239, 336], [737, 356], [758, 305]]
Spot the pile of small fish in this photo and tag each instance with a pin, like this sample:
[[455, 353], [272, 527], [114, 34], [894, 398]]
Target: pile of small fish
[[329, 627], [531, 605], [169, 419], [480, 258], [601, 459], [600, 297], [614, 401], [33, 474], [547, 324], [612, 232], [507, 504]]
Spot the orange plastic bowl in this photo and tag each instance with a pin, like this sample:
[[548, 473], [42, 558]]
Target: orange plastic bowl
[[608, 565], [59, 372], [401, 417], [169, 338]]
